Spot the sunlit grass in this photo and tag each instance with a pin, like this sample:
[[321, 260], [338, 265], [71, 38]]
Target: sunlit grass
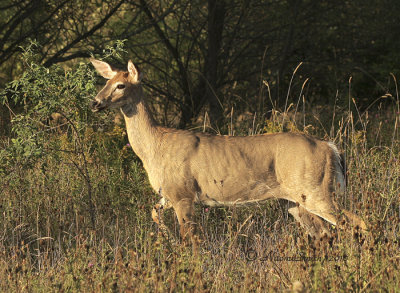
[[48, 243]]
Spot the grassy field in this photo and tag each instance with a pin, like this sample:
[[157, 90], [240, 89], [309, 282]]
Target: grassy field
[[80, 222]]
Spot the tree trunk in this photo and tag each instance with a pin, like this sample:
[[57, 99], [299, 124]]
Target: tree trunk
[[216, 16], [206, 91]]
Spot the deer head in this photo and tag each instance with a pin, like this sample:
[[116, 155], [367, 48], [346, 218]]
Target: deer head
[[122, 90]]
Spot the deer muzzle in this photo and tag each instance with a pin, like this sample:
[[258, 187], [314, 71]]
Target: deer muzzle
[[97, 106]]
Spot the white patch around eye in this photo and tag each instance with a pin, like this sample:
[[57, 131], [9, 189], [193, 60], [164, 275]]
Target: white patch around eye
[[120, 86]]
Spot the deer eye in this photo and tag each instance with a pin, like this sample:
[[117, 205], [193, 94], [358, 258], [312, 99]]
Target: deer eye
[[120, 86]]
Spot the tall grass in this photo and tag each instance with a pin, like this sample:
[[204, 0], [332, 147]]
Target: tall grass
[[47, 241]]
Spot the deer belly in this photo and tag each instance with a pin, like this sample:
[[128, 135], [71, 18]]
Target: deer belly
[[235, 195]]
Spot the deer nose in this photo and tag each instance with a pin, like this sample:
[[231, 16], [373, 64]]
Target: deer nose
[[97, 105], [94, 104]]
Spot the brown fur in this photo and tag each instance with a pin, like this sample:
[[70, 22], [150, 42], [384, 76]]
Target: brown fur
[[187, 167]]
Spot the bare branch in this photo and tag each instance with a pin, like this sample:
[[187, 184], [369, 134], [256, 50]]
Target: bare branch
[[55, 57]]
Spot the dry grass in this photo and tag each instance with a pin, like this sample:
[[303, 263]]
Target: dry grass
[[47, 242]]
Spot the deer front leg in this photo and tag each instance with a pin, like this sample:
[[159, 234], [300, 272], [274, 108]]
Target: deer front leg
[[184, 210], [157, 215]]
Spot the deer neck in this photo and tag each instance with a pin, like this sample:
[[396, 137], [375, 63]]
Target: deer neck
[[142, 130]]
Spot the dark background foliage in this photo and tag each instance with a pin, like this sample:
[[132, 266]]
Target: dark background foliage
[[213, 55]]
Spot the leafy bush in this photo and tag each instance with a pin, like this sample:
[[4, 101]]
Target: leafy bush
[[55, 129], [40, 93]]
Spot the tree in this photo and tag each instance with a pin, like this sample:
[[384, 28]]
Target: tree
[[211, 56]]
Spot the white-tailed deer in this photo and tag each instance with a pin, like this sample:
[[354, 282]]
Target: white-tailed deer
[[186, 167]]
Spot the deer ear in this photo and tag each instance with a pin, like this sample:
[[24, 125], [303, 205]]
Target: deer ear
[[134, 73], [104, 68]]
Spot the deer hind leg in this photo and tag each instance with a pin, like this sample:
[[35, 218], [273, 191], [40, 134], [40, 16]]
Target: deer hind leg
[[329, 211], [323, 210], [354, 220], [314, 225], [309, 220], [157, 215]]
